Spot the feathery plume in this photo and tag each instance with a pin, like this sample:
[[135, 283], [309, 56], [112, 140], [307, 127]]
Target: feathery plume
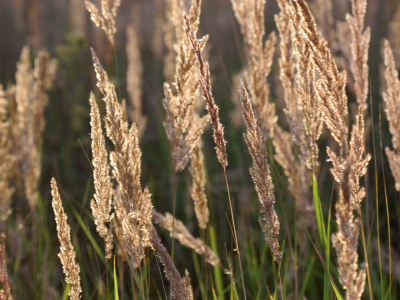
[[180, 287], [287, 59], [173, 33], [391, 98], [67, 253], [302, 110], [205, 84], [106, 21], [325, 19], [182, 234], [359, 50], [180, 129], [307, 128], [261, 174], [77, 16], [5, 292], [6, 159], [31, 99], [134, 203], [134, 79], [350, 165], [394, 35], [44, 74], [101, 204], [198, 185], [259, 59]]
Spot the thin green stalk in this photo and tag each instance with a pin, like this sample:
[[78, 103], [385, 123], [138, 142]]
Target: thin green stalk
[[377, 202], [173, 213], [234, 230], [387, 206], [116, 70]]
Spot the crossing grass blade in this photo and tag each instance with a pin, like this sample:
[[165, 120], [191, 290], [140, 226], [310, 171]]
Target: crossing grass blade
[[318, 211], [116, 297]]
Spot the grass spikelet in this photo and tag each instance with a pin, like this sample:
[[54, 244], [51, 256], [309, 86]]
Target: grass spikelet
[[259, 60], [261, 174], [106, 21], [31, 99], [180, 287], [182, 234], [205, 84], [5, 292], [67, 253], [101, 204], [6, 159], [390, 96], [133, 207], [198, 185], [134, 79], [180, 129], [359, 50]]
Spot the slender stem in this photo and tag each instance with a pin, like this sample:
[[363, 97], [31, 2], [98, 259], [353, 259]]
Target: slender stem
[[234, 230], [116, 70], [173, 213], [365, 254], [376, 195]]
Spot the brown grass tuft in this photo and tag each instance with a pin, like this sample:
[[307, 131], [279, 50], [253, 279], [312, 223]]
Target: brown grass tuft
[[205, 84], [67, 253], [261, 174], [181, 129], [134, 79], [359, 50], [106, 20], [101, 204], [391, 98], [182, 234]]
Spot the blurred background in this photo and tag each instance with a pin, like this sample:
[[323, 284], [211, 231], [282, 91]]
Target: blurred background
[[64, 28]]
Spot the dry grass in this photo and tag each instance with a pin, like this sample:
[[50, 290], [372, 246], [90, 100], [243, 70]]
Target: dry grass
[[284, 105]]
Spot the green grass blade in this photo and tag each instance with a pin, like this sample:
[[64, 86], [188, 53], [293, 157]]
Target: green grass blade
[[338, 296], [216, 269], [307, 277], [198, 274], [318, 211], [89, 235], [327, 258], [65, 295], [115, 283]]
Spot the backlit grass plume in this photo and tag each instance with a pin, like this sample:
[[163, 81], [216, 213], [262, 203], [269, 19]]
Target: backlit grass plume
[[101, 204], [260, 173], [391, 98], [134, 202], [259, 59], [6, 159], [181, 129], [134, 80], [205, 84], [133, 207], [350, 164], [182, 234], [359, 50], [31, 100], [181, 288], [67, 253], [197, 190], [106, 21], [5, 292]]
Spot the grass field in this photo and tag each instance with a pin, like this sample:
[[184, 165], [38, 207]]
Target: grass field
[[200, 149]]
